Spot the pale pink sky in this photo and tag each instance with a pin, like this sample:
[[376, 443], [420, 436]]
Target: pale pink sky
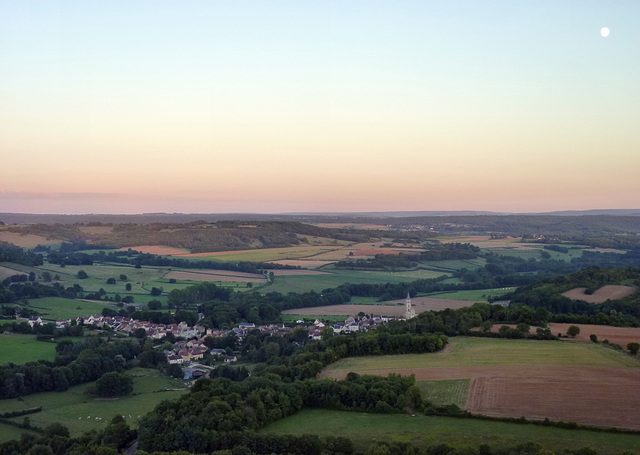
[[128, 107]]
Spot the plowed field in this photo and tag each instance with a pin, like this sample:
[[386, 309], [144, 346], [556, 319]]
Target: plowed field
[[426, 304], [610, 291], [575, 382]]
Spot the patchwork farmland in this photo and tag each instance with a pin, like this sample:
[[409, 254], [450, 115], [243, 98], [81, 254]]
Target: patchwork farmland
[[579, 382]]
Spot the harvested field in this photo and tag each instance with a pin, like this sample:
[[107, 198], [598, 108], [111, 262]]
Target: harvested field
[[209, 275], [427, 304], [616, 335], [157, 249], [307, 264], [264, 254], [485, 241], [26, 240], [577, 382], [610, 291], [590, 396], [364, 249], [279, 272], [6, 272]]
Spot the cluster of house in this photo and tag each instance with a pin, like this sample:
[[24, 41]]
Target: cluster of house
[[363, 324], [127, 325], [193, 348]]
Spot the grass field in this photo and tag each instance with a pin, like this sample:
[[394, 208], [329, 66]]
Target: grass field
[[54, 308], [264, 254], [9, 432], [446, 391], [78, 411], [455, 264], [336, 277], [476, 295], [465, 352], [425, 431], [20, 349]]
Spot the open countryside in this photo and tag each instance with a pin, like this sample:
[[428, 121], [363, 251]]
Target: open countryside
[[579, 382]]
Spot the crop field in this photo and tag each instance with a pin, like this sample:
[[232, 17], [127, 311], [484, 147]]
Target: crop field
[[54, 308], [616, 335], [262, 255], [364, 429], [336, 277], [454, 264], [21, 349], [284, 272], [80, 412], [477, 295], [25, 240], [610, 291], [579, 382], [446, 391], [425, 304]]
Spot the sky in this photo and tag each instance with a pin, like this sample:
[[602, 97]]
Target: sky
[[285, 106]]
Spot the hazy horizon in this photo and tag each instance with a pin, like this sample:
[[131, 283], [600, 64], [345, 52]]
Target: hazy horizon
[[290, 106]]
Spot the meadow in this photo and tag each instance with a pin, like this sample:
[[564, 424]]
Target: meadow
[[263, 254], [81, 412], [477, 295], [365, 428], [54, 308], [335, 277], [21, 349], [469, 352]]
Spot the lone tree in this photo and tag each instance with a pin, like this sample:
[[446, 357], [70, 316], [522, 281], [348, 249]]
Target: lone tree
[[114, 384], [82, 275], [123, 277], [633, 348], [593, 337], [573, 330]]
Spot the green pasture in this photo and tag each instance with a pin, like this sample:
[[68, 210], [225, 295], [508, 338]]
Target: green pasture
[[365, 429], [535, 250], [477, 295], [9, 432], [78, 411], [268, 254], [336, 277], [455, 264], [20, 349], [446, 391], [54, 308], [469, 351]]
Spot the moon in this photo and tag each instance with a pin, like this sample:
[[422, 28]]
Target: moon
[[604, 31]]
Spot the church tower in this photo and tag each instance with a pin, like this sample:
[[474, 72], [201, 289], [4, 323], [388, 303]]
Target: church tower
[[410, 312]]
